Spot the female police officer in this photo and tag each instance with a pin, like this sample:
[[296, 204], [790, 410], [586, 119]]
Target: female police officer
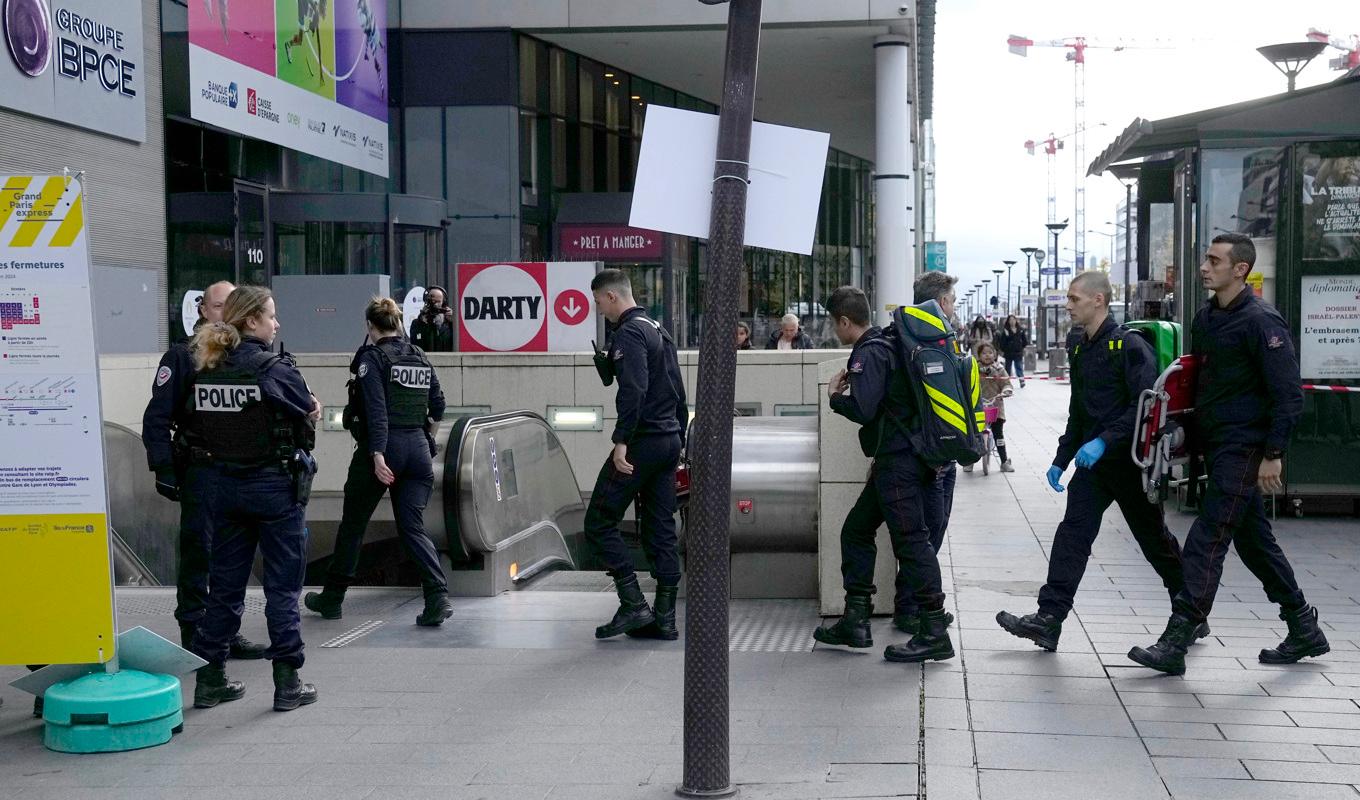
[[248, 433], [390, 417]]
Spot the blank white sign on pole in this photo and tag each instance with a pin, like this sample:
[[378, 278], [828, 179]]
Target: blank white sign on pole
[[673, 191]]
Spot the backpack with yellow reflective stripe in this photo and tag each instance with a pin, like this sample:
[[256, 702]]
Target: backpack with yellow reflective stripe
[[949, 418]]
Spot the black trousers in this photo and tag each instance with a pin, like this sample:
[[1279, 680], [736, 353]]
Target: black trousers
[[1232, 512], [195, 545], [408, 456], [939, 504], [899, 489], [252, 509], [1091, 491], [652, 484]]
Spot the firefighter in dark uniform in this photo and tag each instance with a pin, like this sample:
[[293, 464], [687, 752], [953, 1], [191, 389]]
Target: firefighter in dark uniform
[[1110, 369], [648, 438], [1247, 401], [163, 425], [391, 416], [897, 490], [250, 432]]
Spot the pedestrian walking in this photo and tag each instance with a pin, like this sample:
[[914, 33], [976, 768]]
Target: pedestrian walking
[[1012, 340], [1247, 402], [395, 404]]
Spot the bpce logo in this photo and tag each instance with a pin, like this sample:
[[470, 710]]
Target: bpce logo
[[28, 32]]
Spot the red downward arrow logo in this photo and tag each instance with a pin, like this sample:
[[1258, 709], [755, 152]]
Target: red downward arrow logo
[[571, 307]]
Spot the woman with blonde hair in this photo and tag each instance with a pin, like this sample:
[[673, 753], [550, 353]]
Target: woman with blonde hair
[[250, 432], [395, 403]]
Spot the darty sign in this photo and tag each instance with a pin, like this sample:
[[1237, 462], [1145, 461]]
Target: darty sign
[[532, 307], [609, 243], [77, 62]]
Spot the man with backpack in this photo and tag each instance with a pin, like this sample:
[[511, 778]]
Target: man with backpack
[[879, 391], [1111, 367]]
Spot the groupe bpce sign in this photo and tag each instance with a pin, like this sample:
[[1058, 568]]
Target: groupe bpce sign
[[76, 61], [534, 307]]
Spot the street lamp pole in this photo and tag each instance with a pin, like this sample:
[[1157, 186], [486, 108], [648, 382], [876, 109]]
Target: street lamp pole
[[707, 704], [1056, 228], [1029, 254], [997, 272], [1010, 309]]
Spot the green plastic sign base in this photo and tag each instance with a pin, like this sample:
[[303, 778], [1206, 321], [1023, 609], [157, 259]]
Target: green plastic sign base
[[112, 712]]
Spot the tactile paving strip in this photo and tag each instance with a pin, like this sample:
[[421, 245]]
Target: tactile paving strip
[[772, 626], [144, 603], [354, 633]]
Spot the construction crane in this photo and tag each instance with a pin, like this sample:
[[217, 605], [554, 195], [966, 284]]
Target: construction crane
[[1051, 146], [1349, 47], [1076, 47]]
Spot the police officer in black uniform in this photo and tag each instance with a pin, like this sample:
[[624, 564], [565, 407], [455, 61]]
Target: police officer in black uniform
[[1110, 369], [1247, 401], [874, 393], [391, 417], [163, 424], [250, 431], [939, 503], [648, 438]]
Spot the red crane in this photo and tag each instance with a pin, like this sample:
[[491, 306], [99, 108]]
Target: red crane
[[1348, 45]]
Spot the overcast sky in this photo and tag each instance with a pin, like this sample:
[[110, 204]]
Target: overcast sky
[[992, 196]]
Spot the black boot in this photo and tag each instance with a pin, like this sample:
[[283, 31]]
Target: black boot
[[1305, 639], [633, 610], [1168, 654], [852, 629], [931, 642], [437, 609], [1040, 627], [1201, 631], [910, 621], [289, 690], [663, 608], [242, 649], [213, 687], [327, 602]]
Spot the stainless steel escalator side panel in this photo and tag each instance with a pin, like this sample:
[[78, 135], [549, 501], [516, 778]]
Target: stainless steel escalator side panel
[[775, 472], [511, 500], [147, 524]]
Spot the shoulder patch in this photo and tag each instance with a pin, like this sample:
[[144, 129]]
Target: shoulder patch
[[363, 369], [857, 366], [163, 376], [1274, 341]]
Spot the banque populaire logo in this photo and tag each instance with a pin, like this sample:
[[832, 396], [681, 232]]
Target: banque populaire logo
[[28, 32]]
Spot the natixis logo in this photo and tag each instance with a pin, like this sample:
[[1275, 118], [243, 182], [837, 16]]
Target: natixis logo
[[28, 32]]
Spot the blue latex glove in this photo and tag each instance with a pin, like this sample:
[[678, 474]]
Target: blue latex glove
[[1090, 453], [1054, 473]]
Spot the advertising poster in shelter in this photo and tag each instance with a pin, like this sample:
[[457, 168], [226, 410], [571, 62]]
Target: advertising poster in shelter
[[1331, 207], [56, 587], [305, 74], [1329, 333]]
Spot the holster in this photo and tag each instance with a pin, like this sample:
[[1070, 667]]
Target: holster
[[303, 469], [603, 365]]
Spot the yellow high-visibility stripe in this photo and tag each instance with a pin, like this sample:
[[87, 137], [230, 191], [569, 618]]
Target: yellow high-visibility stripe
[[71, 225], [977, 383], [943, 399], [950, 417], [14, 187], [924, 316], [41, 212]]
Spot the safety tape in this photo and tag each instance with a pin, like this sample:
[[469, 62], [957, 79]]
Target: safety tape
[[1045, 378], [1315, 387]]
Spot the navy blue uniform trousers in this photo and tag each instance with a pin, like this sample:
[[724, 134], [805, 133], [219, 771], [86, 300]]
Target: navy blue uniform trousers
[[195, 544], [939, 504], [251, 508], [899, 489], [408, 456], [652, 484], [1232, 513], [1114, 479]]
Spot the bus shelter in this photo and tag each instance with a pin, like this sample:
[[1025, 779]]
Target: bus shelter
[[1284, 170]]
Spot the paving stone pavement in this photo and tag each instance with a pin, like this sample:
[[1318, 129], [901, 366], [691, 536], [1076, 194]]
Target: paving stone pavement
[[513, 698]]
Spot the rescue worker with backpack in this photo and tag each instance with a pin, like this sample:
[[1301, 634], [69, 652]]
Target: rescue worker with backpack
[[1111, 367], [250, 432], [917, 403], [394, 404]]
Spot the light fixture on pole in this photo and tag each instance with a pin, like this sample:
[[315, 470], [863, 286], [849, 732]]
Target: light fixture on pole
[[1010, 309], [1030, 252], [1290, 58], [997, 272]]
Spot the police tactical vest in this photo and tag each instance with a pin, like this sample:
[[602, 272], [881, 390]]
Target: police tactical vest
[[409, 375], [230, 418], [948, 420]]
